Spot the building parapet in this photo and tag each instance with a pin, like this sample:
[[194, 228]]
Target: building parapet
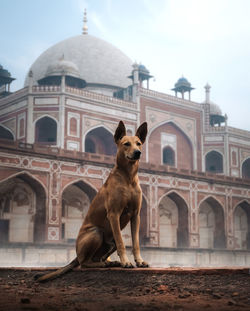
[[13, 96], [240, 132], [46, 88], [169, 98], [52, 152], [85, 94], [101, 98]]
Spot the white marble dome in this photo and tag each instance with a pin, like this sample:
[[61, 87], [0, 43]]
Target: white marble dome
[[98, 61]]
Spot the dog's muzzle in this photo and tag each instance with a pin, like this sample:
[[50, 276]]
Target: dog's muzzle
[[136, 155]]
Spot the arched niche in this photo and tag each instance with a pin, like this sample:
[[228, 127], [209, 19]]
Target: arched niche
[[46, 131], [5, 133], [101, 141], [23, 210], [246, 169], [214, 162], [211, 224], [76, 199], [178, 141], [173, 220], [242, 226]]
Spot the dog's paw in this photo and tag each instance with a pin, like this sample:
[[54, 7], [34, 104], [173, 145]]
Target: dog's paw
[[142, 264], [111, 264], [127, 265]]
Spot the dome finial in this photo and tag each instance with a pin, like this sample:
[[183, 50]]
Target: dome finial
[[85, 26]]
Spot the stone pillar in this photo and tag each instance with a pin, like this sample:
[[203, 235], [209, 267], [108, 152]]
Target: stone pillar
[[153, 214], [30, 139], [54, 194]]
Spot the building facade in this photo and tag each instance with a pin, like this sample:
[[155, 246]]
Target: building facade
[[57, 149]]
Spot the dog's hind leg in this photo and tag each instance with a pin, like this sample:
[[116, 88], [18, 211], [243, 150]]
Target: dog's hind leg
[[88, 243]]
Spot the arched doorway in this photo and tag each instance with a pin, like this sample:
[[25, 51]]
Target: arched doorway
[[173, 220], [214, 162], [100, 140], [5, 133], [46, 131], [22, 210], [76, 200], [246, 169], [211, 224], [242, 226]]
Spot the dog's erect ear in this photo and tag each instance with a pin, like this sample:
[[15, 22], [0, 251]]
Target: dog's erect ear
[[142, 132], [120, 132]]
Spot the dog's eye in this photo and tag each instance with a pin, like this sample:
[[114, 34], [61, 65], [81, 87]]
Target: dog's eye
[[138, 144], [127, 144]]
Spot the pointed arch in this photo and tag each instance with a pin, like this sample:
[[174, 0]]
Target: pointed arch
[[6, 133], [46, 130], [211, 223], [241, 221], [38, 204], [214, 160], [245, 168], [173, 210], [76, 199], [99, 140], [180, 142]]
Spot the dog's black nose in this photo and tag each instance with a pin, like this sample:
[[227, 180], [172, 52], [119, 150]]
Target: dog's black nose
[[137, 154]]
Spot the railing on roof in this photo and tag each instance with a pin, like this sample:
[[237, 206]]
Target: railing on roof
[[100, 97], [13, 96], [169, 98]]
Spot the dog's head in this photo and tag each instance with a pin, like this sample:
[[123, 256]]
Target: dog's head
[[130, 146]]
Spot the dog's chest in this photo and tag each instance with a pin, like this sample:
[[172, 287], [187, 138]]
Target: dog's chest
[[133, 201]]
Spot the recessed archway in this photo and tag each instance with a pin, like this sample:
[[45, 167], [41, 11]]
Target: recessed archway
[[100, 140], [242, 226], [173, 221], [23, 209], [76, 199], [5, 133], [214, 162], [46, 131], [246, 169], [170, 134], [211, 224]]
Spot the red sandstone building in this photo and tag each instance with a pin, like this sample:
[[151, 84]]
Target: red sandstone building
[[57, 149]]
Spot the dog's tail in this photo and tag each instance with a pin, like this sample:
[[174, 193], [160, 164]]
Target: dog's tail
[[55, 274]]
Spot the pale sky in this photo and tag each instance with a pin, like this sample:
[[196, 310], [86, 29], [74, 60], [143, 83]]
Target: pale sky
[[205, 41]]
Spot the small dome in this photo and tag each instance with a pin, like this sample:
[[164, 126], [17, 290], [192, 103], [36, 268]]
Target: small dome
[[215, 109], [4, 73], [63, 67], [143, 68], [182, 82]]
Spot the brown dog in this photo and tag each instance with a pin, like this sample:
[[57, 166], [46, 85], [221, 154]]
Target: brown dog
[[117, 203]]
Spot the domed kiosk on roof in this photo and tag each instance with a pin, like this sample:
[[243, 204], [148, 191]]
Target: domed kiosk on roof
[[62, 68], [5, 81], [104, 67], [182, 86]]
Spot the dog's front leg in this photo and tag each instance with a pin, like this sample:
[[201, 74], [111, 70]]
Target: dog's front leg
[[135, 226], [114, 220]]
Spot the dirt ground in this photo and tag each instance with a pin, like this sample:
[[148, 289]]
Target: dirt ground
[[127, 290]]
